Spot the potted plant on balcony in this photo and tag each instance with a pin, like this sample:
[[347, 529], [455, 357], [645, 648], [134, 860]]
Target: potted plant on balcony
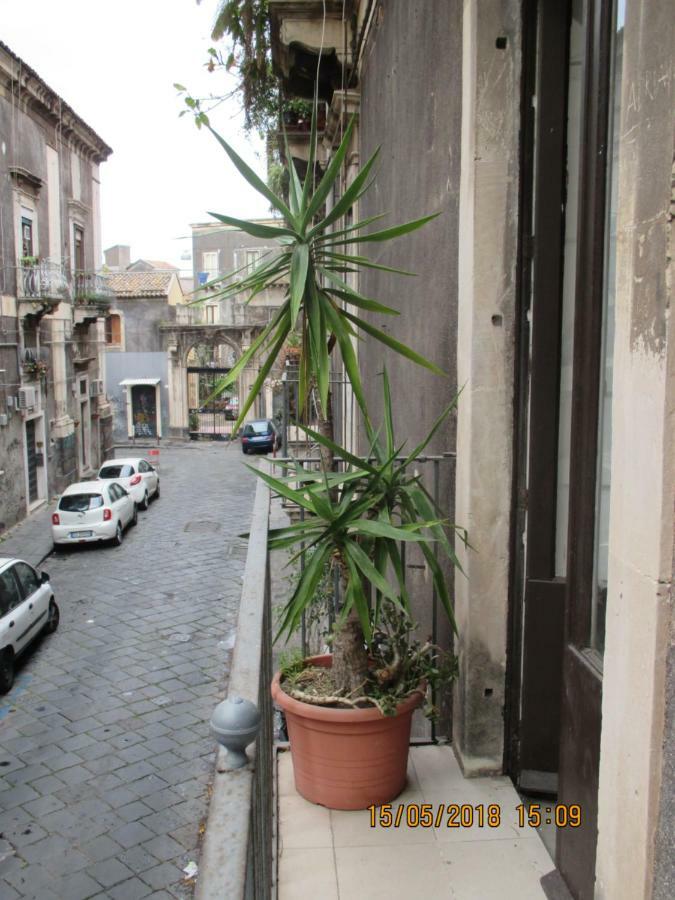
[[354, 518]]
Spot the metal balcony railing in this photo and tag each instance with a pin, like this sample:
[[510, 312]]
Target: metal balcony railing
[[92, 289], [242, 865], [42, 280]]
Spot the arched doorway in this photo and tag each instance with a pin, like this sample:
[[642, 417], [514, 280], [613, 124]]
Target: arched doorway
[[212, 409]]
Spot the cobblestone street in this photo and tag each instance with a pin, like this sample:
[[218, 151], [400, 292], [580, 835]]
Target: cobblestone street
[[105, 752]]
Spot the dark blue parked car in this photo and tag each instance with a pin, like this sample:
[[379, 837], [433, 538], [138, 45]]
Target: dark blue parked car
[[261, 436]]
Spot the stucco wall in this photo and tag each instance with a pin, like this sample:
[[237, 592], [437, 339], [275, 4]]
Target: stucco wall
[[411, 108], [485, 367], [639, 597], [120, 366], [12, 483]]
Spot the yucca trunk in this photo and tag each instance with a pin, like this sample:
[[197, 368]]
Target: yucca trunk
[[350, 658]]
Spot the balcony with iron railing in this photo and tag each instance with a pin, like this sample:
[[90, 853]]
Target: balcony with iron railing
[[92, 294], [263, 839], [41, 282]]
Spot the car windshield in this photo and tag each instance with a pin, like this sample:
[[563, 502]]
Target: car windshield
[[115, 472], [80, 502], [257, 428]]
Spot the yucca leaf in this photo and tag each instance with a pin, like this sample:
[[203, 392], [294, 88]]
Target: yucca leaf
[[388, 418], [303, 595], [349, 359], [359, 598], [299, 266], [377, 528], [254, 180], [396, 231], [429, 437], [309, 175], [265, 366], [253, 228], [391, 342], [294, 186], [440, 585], [397, 565], [330, 176], [336, 237], [362, 302], [362, 262], [279, 487], [246, 357], [339, 451], [347, 200], [365, 565]]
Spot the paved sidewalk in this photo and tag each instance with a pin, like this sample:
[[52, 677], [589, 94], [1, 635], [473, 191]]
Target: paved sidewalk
[[30, 539], [105, 752]]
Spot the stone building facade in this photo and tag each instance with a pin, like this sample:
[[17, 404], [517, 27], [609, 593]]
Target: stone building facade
[[55, 422], [136, 360]]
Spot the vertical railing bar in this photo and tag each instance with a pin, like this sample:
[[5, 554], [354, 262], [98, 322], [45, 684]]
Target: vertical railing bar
[[302, 569], [286, 423], [434, 594]]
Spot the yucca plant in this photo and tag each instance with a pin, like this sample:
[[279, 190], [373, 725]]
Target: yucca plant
[[354, 521], [312, 260], [353, 518]]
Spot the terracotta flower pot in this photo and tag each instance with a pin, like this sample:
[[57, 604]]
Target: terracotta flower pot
[[347, 758]]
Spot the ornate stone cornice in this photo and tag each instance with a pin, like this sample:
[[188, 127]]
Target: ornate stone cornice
[[23, 83]]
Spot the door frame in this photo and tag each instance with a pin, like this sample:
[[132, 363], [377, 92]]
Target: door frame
[[537, 398], [536, 594], [42, 474]]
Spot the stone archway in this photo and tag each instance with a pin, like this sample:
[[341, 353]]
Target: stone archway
[[226, 343]]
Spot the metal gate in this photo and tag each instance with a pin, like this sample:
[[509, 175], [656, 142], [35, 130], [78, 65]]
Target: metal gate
[[211, 416]]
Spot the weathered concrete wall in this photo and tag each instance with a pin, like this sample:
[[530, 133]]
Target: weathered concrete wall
[[411, 108], [485, 367], [135, 365], [141, 318], [12, 481], [639, 599], [56, 200]]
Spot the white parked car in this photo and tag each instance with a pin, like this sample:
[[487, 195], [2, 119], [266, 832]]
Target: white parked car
[[136, 475], [27, 608], [93, 511]]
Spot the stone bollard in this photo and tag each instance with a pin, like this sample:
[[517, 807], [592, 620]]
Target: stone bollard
[[235, 723]]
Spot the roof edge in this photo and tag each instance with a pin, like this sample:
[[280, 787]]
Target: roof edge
[[39, 95]]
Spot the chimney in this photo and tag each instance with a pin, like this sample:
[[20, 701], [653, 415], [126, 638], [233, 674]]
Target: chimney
[[118, 258]]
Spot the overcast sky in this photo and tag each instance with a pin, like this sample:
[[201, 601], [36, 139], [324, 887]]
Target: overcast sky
[[115, 64]]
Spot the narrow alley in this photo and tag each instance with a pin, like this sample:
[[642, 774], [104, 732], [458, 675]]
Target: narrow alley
[[105, 751]]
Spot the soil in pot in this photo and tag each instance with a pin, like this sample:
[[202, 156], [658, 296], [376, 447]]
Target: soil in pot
[[347, 758]]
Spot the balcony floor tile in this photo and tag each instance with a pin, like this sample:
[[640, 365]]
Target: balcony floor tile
[[337, 853]]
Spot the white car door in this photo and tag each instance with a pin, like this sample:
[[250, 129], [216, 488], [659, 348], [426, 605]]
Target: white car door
[[35, 594], [16, 623], [149, 476], [128, 504], [122, 503]]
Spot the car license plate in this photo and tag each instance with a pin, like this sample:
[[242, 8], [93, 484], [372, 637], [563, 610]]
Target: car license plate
[[81, 534]]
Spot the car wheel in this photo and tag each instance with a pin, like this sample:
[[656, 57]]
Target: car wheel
[[156, 494], [119, 536], [134, 518], [53, 618], [144, 502], [6, 670], [244, 451]]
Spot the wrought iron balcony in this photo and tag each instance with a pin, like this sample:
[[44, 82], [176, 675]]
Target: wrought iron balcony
[[42, 281], [92, 289]]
